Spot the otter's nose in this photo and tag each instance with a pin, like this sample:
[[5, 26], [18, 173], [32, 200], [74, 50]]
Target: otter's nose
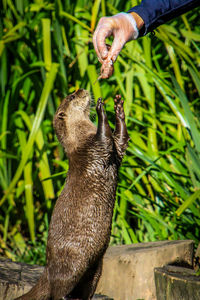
[[80, 93]]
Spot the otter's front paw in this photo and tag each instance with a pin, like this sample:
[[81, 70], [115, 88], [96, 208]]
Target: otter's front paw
[[100, 105], [119, 110]]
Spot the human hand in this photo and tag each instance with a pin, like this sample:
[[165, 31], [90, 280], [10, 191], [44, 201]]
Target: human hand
[[123, 27]]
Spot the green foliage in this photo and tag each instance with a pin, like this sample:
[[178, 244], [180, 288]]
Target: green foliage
[[46, 52]]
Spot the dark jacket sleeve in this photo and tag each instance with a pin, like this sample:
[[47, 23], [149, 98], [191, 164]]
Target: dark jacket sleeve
[[157, 12]]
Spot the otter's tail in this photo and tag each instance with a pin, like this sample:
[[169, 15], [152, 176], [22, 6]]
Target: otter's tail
[[41, 291]]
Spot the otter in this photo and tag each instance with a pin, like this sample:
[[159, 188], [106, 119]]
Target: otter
[[80, 226]]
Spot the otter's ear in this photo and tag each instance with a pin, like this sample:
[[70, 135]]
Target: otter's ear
[[61, 115]]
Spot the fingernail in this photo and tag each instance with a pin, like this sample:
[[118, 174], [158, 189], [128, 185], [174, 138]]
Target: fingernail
[[114, 58]]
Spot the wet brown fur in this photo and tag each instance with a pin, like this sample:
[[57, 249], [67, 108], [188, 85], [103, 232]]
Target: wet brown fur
[[80, 226]]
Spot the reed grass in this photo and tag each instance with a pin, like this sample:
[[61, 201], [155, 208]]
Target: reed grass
[[46, 52]]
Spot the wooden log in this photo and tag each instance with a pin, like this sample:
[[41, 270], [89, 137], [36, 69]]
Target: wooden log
[[128, 270], [197, 259], [176, 283], [17, 278]]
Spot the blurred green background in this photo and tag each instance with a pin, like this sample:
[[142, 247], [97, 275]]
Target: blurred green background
[[46, 52]]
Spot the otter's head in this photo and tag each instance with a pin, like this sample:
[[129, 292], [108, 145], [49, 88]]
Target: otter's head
[[70, 116]]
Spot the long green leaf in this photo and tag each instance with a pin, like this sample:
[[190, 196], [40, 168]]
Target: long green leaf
[[38, 119], [74, 19], [188, 202], [92, 73], [189, 116], [46, 24]]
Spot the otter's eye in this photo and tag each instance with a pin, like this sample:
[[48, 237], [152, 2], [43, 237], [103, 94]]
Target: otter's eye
[[61, 115]]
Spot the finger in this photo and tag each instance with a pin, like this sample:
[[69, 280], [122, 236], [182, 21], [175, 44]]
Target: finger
[[95, 46], [116, 47], [104, 30], [101, 42], [107, 68]]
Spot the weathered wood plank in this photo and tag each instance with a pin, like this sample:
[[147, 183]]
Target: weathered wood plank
[[177, 283], [128, 270], [17, 278], [197, 259]]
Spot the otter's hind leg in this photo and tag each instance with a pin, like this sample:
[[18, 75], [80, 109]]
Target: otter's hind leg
[[64, 277], [121, 136], [86, 287]]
